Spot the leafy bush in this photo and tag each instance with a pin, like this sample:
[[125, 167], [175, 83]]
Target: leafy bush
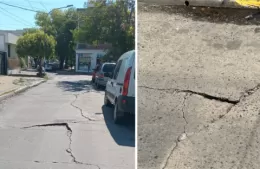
[[22, 63]]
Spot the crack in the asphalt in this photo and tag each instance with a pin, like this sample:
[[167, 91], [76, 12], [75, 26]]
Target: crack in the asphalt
[[183, 112], [210, 97], [169, 156], [205, 95], [66, 125], [69, 134], [56, 162], [81, 111], [183, 135]]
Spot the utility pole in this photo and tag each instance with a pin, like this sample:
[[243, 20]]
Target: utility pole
[[207, 3]]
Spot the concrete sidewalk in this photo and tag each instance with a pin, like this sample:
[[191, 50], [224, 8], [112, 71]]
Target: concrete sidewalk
[[10, 85], [7, 84]]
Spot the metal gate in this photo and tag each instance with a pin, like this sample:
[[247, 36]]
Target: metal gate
[[3, 63]]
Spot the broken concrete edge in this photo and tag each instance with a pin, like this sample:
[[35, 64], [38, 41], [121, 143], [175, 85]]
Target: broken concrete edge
[[200, 3], [69, 134], [14, 92], [205, 95]]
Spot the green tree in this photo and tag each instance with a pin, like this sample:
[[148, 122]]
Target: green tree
[[31, 30], [37, 45], [60, 24], [112, 24]]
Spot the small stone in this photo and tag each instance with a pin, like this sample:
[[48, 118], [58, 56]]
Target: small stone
[[182, 137]]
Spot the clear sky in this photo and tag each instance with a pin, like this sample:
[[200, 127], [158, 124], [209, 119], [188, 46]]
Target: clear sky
[[13, 18]]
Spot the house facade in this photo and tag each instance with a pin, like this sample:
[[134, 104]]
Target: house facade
[[87, 55], [8, 47]]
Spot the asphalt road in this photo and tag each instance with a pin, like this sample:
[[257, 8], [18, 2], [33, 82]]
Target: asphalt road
[[62, 124], [198, 89]]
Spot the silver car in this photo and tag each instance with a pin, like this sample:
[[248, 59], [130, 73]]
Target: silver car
[[104, 73]]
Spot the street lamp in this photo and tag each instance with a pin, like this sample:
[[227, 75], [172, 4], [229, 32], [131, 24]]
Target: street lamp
[[68, 6]]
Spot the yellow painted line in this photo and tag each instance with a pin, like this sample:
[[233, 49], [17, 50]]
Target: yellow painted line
[[255, 3]]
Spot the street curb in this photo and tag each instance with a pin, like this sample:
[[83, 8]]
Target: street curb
[[19, 90]]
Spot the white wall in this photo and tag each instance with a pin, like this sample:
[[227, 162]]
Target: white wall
[[2, 43], [8, 38], [93, 57], [13, 51], [11, 38]]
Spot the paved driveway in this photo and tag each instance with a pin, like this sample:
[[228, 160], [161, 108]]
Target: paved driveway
[[63, 124], [198, 97]]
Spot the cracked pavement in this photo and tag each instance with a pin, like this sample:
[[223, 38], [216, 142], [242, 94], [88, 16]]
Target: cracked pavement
[[198, 89], [62, 124]]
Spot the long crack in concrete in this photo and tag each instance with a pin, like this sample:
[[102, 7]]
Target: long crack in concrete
[[208, 96], [183, 112], [81, 111], [183, 136], [69, 134], [211, 97], [205, 95], [169, 156]]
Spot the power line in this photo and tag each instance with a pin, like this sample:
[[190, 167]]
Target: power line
[[30, 4], [19, 7], [15, 15], [12, 16], [43, 5]]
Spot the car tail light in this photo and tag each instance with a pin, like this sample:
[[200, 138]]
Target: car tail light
[[126, 81]]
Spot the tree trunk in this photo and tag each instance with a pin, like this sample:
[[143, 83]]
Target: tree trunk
[[67, 62], [61, 63], [35, 62], [40, 67], [208, 3]]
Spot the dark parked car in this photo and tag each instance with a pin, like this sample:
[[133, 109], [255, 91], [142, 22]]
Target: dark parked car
[[103, 74]]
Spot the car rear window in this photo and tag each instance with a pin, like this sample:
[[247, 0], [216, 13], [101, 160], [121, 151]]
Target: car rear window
[[109, 67]]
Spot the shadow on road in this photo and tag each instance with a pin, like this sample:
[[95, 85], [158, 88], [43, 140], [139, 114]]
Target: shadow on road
[[77, 86], [24, 75], [70, 72], [124, 135], [213, 15]]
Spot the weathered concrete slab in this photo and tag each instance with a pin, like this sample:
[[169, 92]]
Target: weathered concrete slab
[[34, 145], [160, 122], [94, 144], [183, 50], [91, 105], [200, 112], [232, 142], [168, 116], [42, 165], [188, 57]]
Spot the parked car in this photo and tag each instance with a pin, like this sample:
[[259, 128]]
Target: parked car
[[103, 74], [51, 65], [120, 89]]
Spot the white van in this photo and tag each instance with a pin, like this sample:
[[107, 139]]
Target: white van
[[120, 89]]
